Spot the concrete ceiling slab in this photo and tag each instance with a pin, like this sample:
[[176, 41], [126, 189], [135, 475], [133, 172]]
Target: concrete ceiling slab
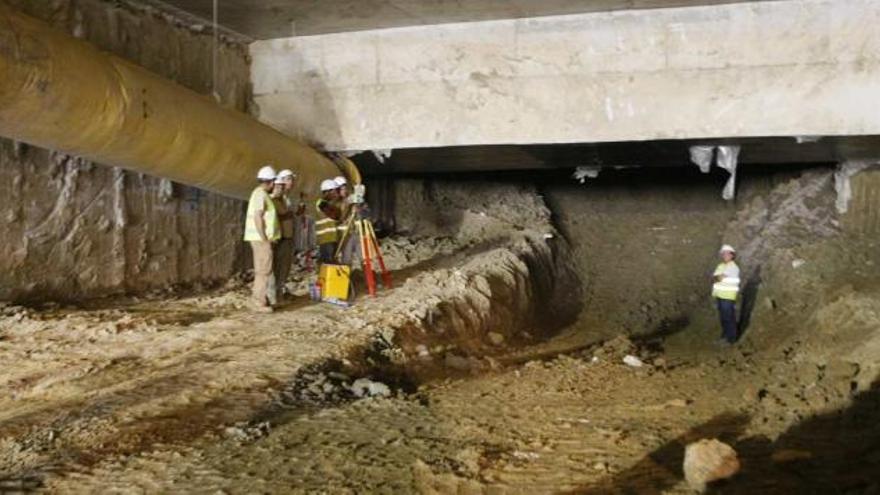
[[269, 19]]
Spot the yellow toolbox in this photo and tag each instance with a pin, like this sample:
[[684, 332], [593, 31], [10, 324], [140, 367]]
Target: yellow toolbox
[[335, 281]]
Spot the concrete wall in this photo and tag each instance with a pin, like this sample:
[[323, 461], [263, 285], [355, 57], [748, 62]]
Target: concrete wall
[[74, 229], [789, 67]]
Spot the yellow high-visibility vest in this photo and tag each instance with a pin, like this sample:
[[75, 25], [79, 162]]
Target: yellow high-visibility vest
[[326, 228], [260, 200], [728, 287]]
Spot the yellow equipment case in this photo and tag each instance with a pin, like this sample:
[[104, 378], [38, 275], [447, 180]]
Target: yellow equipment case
[[335, 281]]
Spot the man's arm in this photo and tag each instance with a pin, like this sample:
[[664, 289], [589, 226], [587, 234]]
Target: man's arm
[[260, 220], [330, 210], [261, 225]]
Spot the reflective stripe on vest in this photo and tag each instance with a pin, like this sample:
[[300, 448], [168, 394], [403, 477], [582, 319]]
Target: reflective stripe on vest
[[326, 230], [260, 200], [728, 287]]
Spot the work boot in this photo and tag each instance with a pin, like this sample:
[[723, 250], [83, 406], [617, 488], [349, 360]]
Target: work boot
[[263, 308]]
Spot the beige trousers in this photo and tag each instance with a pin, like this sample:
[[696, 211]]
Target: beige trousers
[[262, 271]]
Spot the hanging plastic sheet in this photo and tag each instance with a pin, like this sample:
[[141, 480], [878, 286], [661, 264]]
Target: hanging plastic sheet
[[581, 174], [702, 157], [727, 159]]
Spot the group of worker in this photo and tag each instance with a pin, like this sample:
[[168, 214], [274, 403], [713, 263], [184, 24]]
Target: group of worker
[[275, 235], [333, 208]]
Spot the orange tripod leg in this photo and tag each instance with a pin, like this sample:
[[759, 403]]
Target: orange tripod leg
[[386, 275], [368, 264]]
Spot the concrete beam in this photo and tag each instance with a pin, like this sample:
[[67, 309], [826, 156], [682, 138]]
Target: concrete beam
[[780, 68], [267, 19]]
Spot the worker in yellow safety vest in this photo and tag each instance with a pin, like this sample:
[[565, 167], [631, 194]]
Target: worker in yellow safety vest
[[261, 230], [327, 221], [282, 251], [725, 290], [343, 194]]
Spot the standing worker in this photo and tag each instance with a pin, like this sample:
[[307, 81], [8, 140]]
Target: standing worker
[[282, 251], [261, 230], [342, 187], [345, 209], [304, 234], [725, 290], [342, 203], [327, 221]]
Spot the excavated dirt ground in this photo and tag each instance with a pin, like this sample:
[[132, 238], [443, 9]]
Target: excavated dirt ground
[[191, 394]]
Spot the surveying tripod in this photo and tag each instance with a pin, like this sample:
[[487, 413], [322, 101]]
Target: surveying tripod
[[369, 248]]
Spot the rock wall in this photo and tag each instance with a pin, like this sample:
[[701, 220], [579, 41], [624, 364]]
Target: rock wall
[[74, 229], [644, 249], [863, 216], [501, 276], [466, 209], [479, 217], [644, 246]]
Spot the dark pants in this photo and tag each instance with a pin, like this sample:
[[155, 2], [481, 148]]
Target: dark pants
[[727, 312], [326, 252], [282, 259]]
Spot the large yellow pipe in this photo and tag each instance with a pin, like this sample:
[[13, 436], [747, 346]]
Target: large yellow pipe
[[63, 94]]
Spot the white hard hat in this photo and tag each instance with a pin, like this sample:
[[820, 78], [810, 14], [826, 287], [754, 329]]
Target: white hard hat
[[328, 185], [266, 173], [727, 248], [340, 181], [284, 175]]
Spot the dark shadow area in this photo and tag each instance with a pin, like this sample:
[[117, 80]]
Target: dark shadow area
[[666, 328], [662, 468], [748, 295], [382, 201], [669, 154], [683, 174], [833, 453]]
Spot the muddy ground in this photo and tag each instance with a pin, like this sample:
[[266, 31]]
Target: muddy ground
[[471, 388]]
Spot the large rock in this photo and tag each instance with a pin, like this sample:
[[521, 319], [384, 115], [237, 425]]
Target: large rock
[[707, 461], [364, 387]]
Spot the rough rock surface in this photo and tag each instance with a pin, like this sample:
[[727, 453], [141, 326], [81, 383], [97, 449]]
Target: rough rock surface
[[641, 246], [707, 461], [75, 229]]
